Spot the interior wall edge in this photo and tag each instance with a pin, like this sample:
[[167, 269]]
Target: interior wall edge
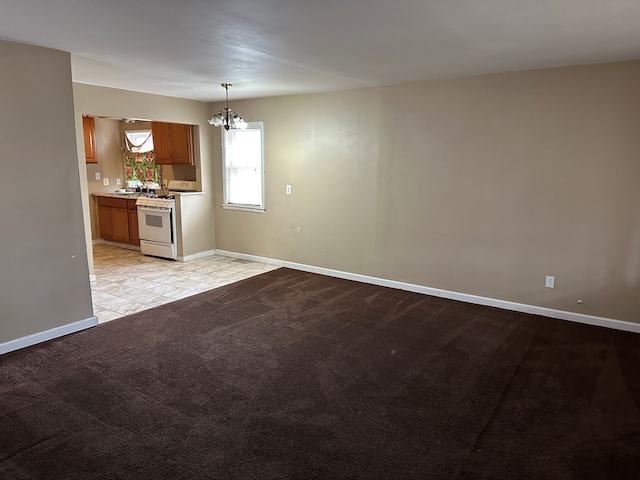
[[436, 292]]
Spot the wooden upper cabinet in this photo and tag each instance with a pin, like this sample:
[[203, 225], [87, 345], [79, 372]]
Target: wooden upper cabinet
[[161, 142], [181, 143], [173, 143], [89, 131]]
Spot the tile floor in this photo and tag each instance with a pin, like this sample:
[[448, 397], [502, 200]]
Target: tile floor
[[128, 282]]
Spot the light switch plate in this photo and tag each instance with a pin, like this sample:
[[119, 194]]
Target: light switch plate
[[97, 175], [105, 181], [118, 181], [288, 190], [550, 281]]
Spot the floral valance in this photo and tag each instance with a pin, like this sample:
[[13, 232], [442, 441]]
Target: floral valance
[[141, 166]]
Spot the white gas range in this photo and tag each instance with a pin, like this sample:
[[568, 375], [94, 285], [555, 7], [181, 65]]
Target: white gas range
[[157, 220], [157, 225], [183, 186]]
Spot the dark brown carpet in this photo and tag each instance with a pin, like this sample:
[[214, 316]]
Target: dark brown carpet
[[296, 375]]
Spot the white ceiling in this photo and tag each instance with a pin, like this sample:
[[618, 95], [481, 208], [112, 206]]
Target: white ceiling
[[273, 47]]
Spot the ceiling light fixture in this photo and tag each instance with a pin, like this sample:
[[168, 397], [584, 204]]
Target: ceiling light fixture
[[226, 117]]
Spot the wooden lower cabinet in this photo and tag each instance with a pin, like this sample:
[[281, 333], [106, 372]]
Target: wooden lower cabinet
[[118, 220], [133, 227], [120, 225], [105, 220]]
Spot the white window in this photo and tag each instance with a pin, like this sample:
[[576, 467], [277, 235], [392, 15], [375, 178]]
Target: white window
[[243, 164], [139, 140]]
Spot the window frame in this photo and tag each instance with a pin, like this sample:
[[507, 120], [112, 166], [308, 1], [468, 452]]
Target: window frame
[[146, 131], [226, 204]]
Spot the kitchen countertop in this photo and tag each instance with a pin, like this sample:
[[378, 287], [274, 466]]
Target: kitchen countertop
[[116, 194], [187, 194], [137, 194]]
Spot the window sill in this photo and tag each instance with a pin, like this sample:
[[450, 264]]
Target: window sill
[[242, 208]]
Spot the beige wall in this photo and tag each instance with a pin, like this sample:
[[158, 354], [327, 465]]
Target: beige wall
[[44, 277], [110, 165], [110, 102], [481, 185]]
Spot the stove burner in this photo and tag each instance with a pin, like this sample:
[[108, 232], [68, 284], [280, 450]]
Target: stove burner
[[153, 195]]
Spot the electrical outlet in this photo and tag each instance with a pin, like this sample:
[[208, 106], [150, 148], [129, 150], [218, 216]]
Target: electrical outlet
[[550, 282], [288, 190], [118, 182], [97, 175], [105, 182]]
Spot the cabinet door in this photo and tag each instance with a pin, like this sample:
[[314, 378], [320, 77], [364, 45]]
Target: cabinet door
[[181, 137], [134, 237], [121, 225], [105, 223], [89, 131], [161, 142]]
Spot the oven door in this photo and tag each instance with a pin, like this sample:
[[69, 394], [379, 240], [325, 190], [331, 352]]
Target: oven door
[[154, 224]]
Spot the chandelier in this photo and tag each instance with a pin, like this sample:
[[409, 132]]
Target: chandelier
[[226, 117]]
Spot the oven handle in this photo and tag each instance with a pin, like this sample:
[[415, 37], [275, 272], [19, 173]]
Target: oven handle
[[153, 209]]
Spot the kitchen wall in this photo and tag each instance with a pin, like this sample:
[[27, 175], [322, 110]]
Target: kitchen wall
[[169, 172], [481, 185], [44, 276], [108, 145], [197, 210], [110, 165]]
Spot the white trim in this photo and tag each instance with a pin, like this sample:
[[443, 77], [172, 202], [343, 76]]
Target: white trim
[[256, 258], [436, 292], [242, 208], [195, 256], [225, 171], [92, 278], [39, 337], [128, 246]]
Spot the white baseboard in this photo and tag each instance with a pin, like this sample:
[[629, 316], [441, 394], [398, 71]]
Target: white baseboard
[[255, 258], [195, 256], [126, 246], [39, 337], [436, 292]]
